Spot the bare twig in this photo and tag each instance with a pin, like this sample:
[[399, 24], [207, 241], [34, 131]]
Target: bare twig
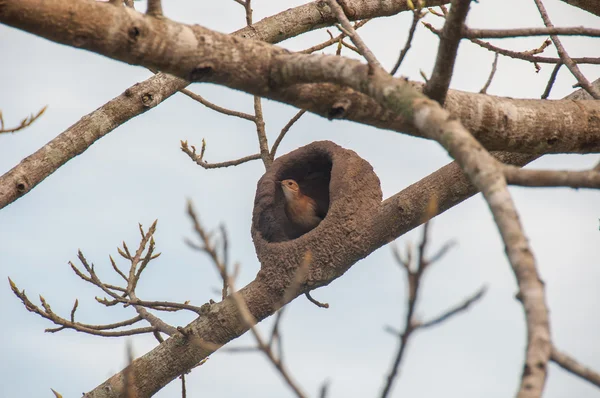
[[437, 86], [191, 152], [118, 295], [332, 40], [417, 15], [571, 365], [551, 81], [530, 55], [216, 108], [284, 131], [414, 272], [315, 302], [453, 311], [470, 33], [491, 76], [23, 124], [564, 56], [349, 30], [263, 143], [244, 313]]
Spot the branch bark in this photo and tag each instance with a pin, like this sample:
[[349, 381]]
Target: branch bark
[[220, 59], [518, 125]]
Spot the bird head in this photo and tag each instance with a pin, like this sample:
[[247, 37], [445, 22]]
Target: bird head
[[290, 188]]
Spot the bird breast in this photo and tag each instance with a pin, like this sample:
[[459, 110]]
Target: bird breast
[[302, 211]]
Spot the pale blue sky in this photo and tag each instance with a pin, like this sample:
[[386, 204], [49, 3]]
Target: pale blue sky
[[138, 173]]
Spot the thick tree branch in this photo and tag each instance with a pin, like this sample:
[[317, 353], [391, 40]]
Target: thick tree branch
[[521, 125], [217, 65]]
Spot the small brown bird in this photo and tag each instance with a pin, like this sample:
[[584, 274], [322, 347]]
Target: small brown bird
[[301, 210]]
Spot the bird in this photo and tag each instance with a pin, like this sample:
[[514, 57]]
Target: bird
[[301, 210]]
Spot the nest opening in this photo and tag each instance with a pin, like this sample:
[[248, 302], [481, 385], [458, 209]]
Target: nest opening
[[312, 172]]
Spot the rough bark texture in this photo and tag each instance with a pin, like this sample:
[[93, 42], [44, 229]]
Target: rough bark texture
[[199, 54], [324, 170], [529, 126], [124, 34]]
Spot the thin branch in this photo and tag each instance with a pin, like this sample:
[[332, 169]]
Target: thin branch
[[454, 310], [351, 32], [551, 81], [571, 365], [564, 56], [552, 178], [332, 40], [263, 143], [245, 315], [183, 390], [414, 273], [191, 152], [491, 76], [315, 302], [248, 7], [469, 33], [23, 124], [439, 82], [284, 131], [216, 108], [98, 330], [417, 15], [529, 55]]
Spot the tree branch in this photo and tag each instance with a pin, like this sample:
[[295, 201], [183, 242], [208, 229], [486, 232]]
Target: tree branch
[[572, 366], [564, 56], [437, 86]]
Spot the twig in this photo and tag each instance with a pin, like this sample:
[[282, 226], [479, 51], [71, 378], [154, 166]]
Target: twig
[[571, 365], [417, 15], [529, 55], [183, 390], [414, 272], [437, 86], [263, 143], [216, 108], [244, 312], [315, 302], [284, 131], [24, 123], [191, 152], [551, 80], [453, 311], [332, 40], [491, 76], [356, 39], [469, 33], [154, 8], [564, 56]]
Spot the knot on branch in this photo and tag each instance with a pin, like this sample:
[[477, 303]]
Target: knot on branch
[[348, 194]]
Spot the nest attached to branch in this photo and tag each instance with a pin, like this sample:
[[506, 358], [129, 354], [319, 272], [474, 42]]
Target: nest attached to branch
[[345, 187]]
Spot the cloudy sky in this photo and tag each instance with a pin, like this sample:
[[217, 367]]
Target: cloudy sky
[[138, 174]]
